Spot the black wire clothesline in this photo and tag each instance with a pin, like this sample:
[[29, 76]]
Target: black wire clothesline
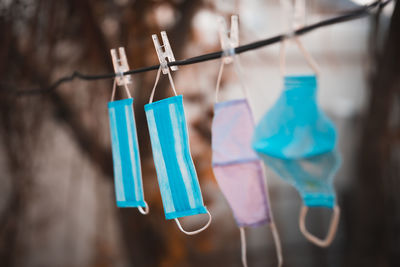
[[351, 15]]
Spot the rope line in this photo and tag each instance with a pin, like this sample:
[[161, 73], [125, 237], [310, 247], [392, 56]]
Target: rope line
[[347, 16]]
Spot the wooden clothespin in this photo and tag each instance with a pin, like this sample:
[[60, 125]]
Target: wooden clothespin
[[229, 39], [120, 66], [164, 55]]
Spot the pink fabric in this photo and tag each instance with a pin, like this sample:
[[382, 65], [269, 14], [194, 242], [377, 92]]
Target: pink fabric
[[232, 127], [237, 168]]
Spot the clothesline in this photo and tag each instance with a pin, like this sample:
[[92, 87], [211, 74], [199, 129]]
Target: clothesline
[[348, 16]]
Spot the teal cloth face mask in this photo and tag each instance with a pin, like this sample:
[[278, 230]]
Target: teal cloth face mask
[[312, 176], [313, 179], [297, 140], [125, 151], [177, 177], [295, 127]]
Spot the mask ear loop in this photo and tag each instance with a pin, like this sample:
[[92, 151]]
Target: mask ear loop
[[291, 35], [274, 230], [156, 82], [115, 87], [282, 58], [331, 232], [237, 68], [243, 245], [221, 69], [196, 231], [146, 209], [277, 242]]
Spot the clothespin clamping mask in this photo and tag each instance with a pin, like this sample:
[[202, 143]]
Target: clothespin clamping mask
[[125, 149], [237, 168], [229, 41], [176, 174], [297, 140]]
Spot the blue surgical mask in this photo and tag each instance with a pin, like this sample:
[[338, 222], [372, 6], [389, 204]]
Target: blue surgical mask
[[125, 151], [311, 176], [313, 179], [297, 140], [295, 126], [177, 177]]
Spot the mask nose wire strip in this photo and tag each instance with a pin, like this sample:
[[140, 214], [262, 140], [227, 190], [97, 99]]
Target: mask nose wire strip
[[156, 82], [196, 231], [331, 232], [243, 243]]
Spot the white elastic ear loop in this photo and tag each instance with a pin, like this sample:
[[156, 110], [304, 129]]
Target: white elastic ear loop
[[127, 90], [275, 235], [309, 59], [171, 82], [243, 245], [146, 209], [277, 242], [221, 69], [155, 85], [115, 87], [196, 231], [331, 232], [156, 82], [113, 90], [282, 58], [238, 69]]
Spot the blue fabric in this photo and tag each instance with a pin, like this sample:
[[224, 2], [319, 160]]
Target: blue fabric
[[177, 177], [295, 127], [125, 151], [312, 176]]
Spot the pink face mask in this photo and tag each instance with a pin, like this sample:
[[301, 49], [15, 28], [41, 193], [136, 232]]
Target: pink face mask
[[237, 168]]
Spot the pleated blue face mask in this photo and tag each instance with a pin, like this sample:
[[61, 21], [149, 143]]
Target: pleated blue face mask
[[295, 126], [313, 179], [297, 140], [125, 151], [177, 177]]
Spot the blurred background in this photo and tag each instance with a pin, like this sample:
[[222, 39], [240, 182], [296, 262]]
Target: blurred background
[[57, 202]]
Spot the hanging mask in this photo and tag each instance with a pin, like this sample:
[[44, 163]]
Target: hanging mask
[[295, 127], [237, 168], [177, 178], [125, 152], [313, 179]]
